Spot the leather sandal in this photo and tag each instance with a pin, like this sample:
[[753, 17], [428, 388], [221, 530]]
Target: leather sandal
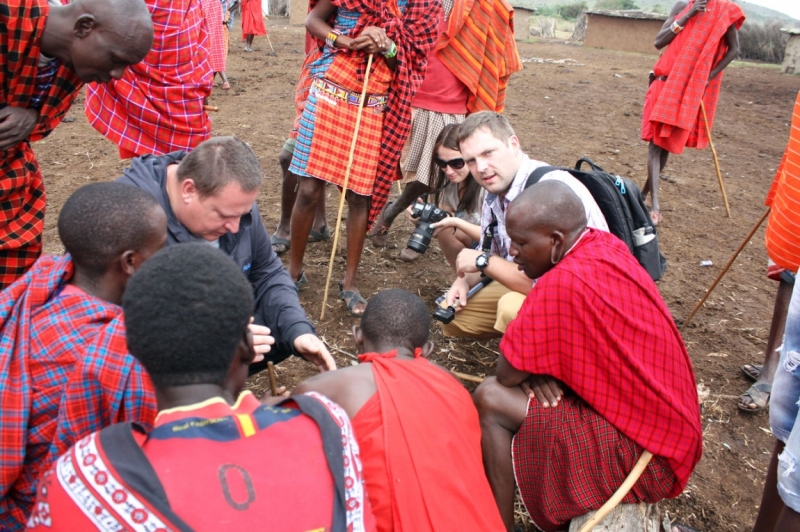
[[351, 299]]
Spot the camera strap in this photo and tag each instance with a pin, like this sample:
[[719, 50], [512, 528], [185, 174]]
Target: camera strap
[[488, 235]]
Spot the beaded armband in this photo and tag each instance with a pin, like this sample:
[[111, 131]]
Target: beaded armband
[[391, 52], [332, 36]]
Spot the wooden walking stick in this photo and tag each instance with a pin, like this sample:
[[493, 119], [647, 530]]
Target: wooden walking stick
[[270, 43], [273, 386], [344, 186], [623, 490], [716, 160], [727, 266]]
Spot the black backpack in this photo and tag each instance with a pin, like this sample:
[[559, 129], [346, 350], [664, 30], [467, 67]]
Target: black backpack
[[622, 204]]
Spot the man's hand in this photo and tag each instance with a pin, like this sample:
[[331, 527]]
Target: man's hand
[[699, 6], [262, 341], [372, 40], [269, 399], [312, 349], [449, 222], [457, 295], [16, 124], [465, 262], [546, 389]]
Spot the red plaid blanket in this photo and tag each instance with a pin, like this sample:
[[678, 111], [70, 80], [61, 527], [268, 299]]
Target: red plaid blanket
[[22, 196], [157, 106], [695, 51], [212, 13], [42, 333], [597, 322]]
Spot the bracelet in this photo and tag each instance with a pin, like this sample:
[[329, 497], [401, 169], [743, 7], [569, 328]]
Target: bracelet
[[332, 36], [391, 52], [676, 28]]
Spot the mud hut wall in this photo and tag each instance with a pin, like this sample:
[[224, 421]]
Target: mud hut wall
[[621, 33], [298, 10], [522, 24], [791, 60]]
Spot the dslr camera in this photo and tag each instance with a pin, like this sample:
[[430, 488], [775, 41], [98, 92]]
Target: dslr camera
[[426, 214]]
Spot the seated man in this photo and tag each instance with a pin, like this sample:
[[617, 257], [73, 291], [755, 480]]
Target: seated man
[[415, 424], [209, 195], [492, 153], [605, 370], [48, 316], [293, 465]]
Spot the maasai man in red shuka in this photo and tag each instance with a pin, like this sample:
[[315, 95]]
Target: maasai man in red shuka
[[48, 316], [217, 49], [157, 106], [593, 372], [703, 39], [399, 34], [415, 424], [286, 465], [252, 22], [44, 65]]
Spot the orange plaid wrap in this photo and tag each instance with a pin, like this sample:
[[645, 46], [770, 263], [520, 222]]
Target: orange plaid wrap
[[336, 121], [783, 227]]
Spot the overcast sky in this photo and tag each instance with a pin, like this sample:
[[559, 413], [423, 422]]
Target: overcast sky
[[790, 7]]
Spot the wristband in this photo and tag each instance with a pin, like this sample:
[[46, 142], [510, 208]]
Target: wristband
[[391, 52], [332, 36], [676, 28]]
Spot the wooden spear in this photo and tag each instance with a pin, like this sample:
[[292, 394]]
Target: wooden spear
[[716, 160], [344, 186], [727, 266]]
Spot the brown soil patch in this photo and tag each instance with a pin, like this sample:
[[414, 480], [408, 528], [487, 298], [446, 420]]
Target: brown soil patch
[[561, 112]]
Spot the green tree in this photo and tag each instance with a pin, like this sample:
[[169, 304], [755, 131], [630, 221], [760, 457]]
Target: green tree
[[572, 11], [615, 5]]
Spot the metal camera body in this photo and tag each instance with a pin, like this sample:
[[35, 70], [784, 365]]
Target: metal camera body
[[427, 214], [444, 315]]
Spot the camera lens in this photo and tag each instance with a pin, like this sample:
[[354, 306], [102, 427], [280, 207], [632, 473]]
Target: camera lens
[[421, 237]]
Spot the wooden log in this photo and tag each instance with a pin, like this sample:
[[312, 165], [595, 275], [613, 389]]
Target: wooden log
[[641, 517]]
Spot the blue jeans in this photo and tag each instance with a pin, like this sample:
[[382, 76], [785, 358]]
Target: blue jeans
[[785, 408]]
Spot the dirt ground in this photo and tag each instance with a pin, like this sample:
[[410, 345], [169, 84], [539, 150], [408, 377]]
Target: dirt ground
[[591, 106]]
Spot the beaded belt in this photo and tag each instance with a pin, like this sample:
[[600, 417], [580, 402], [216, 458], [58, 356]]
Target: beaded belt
[[332, 89]]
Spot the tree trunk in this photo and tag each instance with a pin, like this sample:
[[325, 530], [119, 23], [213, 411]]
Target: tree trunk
[[640, 517]]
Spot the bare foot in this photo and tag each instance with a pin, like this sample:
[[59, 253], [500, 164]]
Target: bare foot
[[656, 217], [381, 231]]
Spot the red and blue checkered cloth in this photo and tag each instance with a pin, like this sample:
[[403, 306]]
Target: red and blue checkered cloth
[[157, 106], [108, 386], [42, 334]]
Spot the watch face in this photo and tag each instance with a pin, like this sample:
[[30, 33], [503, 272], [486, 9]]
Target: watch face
[[483, 261]]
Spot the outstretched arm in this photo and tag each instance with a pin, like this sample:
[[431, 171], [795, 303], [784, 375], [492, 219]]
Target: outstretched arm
[[732, 39], [16, 125], [666, 34]]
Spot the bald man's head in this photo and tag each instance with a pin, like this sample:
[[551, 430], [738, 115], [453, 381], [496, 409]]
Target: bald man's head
[[543, 222], [98, 39]]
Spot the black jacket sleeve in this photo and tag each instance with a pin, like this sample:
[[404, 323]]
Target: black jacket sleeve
[[277, 304]]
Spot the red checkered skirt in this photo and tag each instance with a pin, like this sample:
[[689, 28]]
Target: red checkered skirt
[[335, 122], [22, 205], [569, 460]]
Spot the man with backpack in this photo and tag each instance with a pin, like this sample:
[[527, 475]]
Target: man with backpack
[[493, 154]]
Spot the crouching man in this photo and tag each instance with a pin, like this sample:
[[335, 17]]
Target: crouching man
[[593, 372]]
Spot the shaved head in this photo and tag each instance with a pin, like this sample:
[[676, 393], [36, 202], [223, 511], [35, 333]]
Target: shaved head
[[99, 39], [549, 205], [544, 222]]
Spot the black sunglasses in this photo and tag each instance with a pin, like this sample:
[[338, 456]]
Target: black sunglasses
[[455, 164]]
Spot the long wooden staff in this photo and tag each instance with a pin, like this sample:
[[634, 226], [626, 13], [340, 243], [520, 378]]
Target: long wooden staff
[[344, 186], [727, 266], [716, 160], [623, 490]]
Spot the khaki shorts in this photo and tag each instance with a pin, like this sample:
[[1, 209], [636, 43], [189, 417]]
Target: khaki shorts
[[488, 311]]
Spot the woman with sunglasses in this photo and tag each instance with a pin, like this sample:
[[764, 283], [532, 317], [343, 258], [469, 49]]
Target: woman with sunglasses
[[458, 193]]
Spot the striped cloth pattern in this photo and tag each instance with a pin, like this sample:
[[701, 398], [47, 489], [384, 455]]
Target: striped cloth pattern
[[480, 49], [157, 106], [215, 26], [42, 334], [783, 226], [22, 195], [699, 47], [108, 386]]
